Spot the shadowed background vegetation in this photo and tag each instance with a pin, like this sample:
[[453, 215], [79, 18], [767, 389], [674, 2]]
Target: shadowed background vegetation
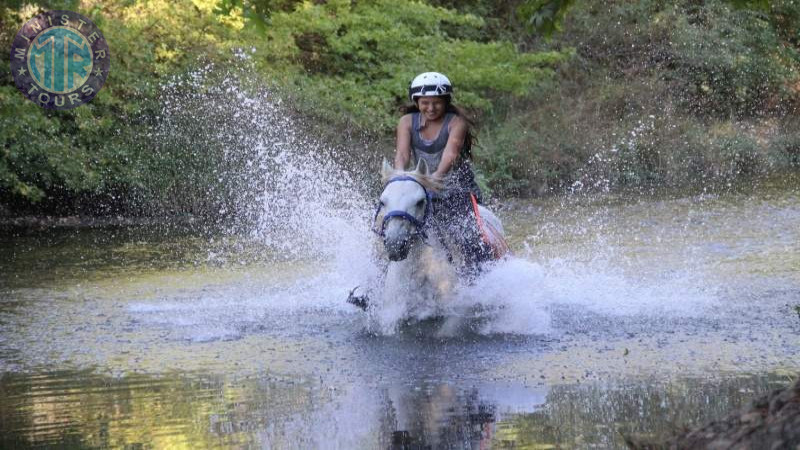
[[568, 95]]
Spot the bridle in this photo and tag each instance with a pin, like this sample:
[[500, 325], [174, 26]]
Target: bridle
[[419, 225]]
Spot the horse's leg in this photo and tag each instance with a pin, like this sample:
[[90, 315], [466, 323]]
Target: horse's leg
[[392, 303], [474, 250], [459, 237], [437, 273]]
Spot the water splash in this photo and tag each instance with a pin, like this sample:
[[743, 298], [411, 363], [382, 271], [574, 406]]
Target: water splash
[[294, 195], [523, 297], [287, 190]]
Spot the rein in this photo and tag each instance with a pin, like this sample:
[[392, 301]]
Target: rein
[[419, 225]]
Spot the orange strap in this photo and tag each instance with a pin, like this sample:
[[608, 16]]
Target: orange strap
[[478, 218], [498, 245]]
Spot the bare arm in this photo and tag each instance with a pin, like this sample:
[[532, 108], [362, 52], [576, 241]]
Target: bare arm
[[452, 150], [402, 154]]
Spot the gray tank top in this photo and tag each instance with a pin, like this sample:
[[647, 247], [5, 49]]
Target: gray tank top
[[460, 178], [430, 151]]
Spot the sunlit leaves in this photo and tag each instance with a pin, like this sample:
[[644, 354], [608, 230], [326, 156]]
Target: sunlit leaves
[[355, 59], [751, 4], [544, 16], [90, 149]]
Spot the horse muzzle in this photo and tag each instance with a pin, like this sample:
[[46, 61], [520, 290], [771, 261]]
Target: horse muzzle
[[397, 249]]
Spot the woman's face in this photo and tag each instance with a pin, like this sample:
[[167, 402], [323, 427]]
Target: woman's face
[[431, 107]]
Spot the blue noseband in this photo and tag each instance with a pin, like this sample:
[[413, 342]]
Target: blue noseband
[[419, 225]]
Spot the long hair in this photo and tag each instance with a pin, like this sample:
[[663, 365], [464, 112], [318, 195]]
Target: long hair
[[469, 139]]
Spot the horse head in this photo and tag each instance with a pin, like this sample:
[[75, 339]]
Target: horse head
[[405, 208]]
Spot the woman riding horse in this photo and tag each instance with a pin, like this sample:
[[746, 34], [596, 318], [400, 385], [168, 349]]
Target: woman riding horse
[[438, 132]]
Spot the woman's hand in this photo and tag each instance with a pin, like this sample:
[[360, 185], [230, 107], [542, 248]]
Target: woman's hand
[[452, 150]]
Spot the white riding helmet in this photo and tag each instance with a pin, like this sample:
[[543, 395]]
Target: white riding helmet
[[430, 84]]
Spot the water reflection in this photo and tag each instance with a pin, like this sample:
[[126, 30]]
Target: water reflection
[[74, 409], [440, 416]]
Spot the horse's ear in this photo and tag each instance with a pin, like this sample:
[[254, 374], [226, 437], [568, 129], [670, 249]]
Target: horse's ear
[[422, 167], [386, 169]]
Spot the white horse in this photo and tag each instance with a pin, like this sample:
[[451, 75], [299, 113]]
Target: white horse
[[405, 210], [420, 278]]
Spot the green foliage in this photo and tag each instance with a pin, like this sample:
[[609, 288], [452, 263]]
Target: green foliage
[[355, 59], [703, 86], [709, 89], [712, 58], [257, 12], [751, 4], [730, 61], [545, 16], [83, 158], [524, 156], [784, 150], [346, 62]]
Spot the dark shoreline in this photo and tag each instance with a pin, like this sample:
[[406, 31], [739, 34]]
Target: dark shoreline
[[42, 222], [788, 180]]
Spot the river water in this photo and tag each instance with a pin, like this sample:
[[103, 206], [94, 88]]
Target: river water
[[617, 315]]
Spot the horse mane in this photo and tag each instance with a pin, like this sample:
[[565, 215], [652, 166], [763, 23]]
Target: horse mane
[[430, 183]]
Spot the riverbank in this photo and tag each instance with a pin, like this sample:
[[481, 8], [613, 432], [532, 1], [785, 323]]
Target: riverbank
[[42, 222], [777, 183]]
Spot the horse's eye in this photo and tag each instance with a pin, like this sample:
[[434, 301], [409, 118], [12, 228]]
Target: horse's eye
[[421, 203]]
